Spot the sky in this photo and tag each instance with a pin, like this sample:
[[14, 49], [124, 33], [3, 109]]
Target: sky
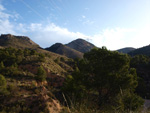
[[112, 23]]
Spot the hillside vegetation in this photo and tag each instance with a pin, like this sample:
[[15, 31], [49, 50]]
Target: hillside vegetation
[[34, 80], [26, 80]]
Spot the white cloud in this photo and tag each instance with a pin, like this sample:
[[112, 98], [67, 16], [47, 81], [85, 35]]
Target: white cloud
[[86, 8], [122, 37], [83, 16], [5, 25], [1, 8], [46, 35], [85, 20], [88, 22], [4, 15], [142, 36]]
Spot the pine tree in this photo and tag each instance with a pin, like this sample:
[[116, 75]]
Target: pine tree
[[41, 74]]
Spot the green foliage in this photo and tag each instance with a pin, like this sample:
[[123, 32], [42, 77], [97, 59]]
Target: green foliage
[[41, 74], [2, 65], [142, 64], [41, 57], [132, 102], [57, 60], [74, 87], [105, 74], [2, 85], [139, 60], [62, 59], [2, 81]]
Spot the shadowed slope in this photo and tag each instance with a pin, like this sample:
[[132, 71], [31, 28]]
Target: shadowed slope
[[64, 50]]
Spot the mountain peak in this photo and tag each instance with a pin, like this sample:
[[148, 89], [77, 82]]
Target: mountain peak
[[81, 45], [65, 50]]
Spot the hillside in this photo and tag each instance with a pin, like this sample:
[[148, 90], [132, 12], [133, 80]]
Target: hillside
[[81, 45], [36, 80], [22, 88], [126, 50], [24, 43], [141, 51], [9, 40], [64, 50], [29, 75]]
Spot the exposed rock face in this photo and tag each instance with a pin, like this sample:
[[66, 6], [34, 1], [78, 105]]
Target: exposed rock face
[[65, 50], [8, 40], [81, 45]]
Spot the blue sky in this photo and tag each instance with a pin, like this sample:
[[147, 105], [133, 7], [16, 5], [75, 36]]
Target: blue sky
[[111, 23]]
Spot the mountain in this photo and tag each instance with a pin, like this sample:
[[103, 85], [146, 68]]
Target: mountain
[[23, 42], [22, 89], [65, 50], [8, 40], [126, 50], [74, 49], [143, 51], [81, 45]]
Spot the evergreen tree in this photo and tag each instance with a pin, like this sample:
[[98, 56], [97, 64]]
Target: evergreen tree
[[41, 74], [106, 73]]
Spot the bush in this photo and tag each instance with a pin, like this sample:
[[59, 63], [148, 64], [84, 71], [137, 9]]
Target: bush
[[3, 85]]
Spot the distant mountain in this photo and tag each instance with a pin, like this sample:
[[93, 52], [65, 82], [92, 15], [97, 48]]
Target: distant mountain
[[74, 49], [126, 50], [65, 50], [81, 45], [9, 40], [143, 51]]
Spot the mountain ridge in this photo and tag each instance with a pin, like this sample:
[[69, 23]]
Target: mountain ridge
[[126, 50], [74, 49], [64, 50], [145, 50]]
